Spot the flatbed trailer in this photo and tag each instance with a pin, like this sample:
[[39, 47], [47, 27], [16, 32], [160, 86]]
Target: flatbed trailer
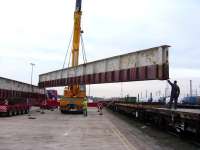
[[12, 110], [181, 120]]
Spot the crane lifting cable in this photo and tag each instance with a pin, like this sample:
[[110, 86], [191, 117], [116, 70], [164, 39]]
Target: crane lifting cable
[[83, 50], [69, 59], [70, 41]]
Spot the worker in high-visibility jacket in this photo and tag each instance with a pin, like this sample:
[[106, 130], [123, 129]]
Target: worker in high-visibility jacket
[[85, 105]]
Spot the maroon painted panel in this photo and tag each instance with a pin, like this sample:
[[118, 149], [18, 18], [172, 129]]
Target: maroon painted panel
[[58, 82], [152, 72], [8, 93], [90, 78], [44, 84], [73, 80], [165, 72], [97, 78], [78, 80], [1, 94], [93, 79], [52, 82], [123, 75], [87, 78], [82, 80], [113, 76], [109, 77], [142, 73], [128, 74], [117, 76], [133, 74], [62, 81], [12, 93], [48, 83], [103, 77], [68, 81]]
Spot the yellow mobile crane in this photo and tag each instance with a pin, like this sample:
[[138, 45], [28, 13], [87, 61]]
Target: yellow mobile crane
[[74, 94]]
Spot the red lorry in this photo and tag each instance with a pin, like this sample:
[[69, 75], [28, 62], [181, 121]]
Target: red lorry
[[51, 101], [14, 106]]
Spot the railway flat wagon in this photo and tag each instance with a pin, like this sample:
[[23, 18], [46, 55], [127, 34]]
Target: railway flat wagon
[[17, 97], [181, 121]]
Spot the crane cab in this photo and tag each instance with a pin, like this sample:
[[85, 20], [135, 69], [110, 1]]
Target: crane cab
[[72, 99]]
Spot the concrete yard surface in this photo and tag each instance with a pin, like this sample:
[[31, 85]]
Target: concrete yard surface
[[55, 131]]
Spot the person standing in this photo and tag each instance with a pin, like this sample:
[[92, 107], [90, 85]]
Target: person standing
[[85, 104], [100, 107], [175, 92]]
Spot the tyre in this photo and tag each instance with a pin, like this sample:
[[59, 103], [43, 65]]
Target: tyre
[[14, 113], [62, 111], [17, 112], [22, 111], [9, 113]]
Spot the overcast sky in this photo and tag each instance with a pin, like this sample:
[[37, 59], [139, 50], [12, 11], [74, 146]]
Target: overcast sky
[[38, 31]]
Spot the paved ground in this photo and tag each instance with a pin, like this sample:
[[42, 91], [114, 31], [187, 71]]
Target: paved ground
[[54, 131]]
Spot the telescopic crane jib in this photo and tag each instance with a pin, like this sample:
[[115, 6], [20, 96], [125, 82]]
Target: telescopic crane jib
[[74, 94]]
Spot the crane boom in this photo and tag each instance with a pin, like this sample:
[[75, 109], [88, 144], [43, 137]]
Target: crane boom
[[78, 5], [74, 94], [76, 34]]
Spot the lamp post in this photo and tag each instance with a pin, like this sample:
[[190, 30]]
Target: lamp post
[[191, 94], [32, 65]]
